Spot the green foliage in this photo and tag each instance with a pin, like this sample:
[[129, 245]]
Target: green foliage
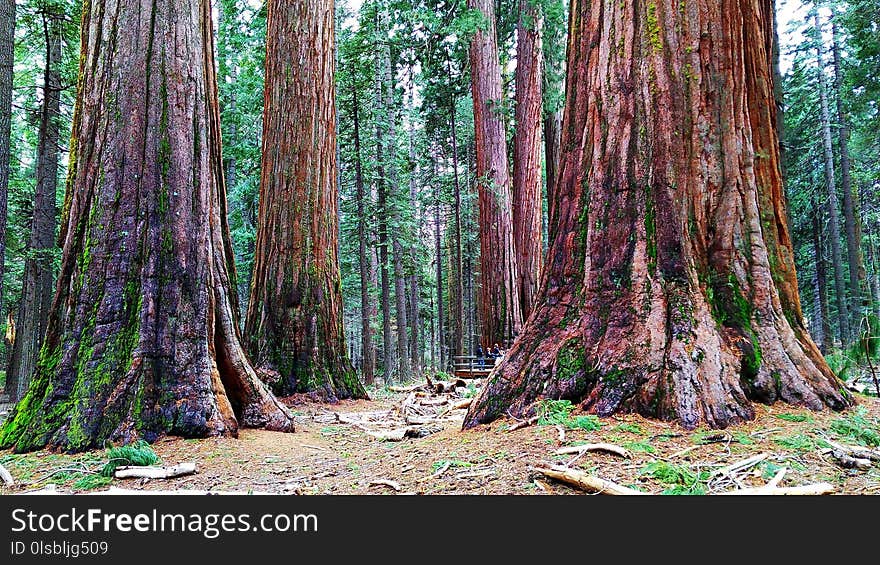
[[858, 427], [558, 412], [138, 453], [629, 428], [92, 481], [788, 417], [681, 479], [801, 443], [640, 447]]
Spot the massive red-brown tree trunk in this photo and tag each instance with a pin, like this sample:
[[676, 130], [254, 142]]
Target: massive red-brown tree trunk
[[294, 318], [142, 339], [669, 288], [527, 154], [499, 291]]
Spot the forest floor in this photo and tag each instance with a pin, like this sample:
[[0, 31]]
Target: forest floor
[[335, 450]]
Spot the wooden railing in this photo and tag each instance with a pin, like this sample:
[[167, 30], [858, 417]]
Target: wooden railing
[[471, 367]]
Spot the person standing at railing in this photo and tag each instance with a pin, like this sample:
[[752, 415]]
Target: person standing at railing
[[481, 360]]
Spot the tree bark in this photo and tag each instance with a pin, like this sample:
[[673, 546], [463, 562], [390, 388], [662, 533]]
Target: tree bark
[[455, 258], [527, 209], [438, 257], [824, 336], [831, 189], [852, 222], [368, 308], [414, 316], [7, 60], [38, 284], [294, 321], [500, 305], [142, 338], [669, 290], [383, 74]]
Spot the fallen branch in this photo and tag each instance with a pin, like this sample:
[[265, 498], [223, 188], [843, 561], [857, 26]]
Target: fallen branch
[[6, 476], [150, 472], [523, 424], [606, 447], [855, 450], [409, 388], [805, 490], [395, 486], [777, 478], [848, 462], [590, 483], [740, 465]]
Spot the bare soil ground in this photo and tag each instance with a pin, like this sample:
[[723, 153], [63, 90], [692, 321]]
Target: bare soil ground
[[329, 456]]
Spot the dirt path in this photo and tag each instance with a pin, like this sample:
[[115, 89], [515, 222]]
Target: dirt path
[[325, 456]]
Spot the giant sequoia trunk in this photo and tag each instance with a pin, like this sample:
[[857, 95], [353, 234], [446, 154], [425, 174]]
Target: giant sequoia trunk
[[669, 288], [142, 337], [37, 287], [527, 214], [499, 305], [294, 318]]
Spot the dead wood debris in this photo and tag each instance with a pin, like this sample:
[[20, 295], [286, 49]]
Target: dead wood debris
[[606, 447], [585, 481], [523, 424], [393, 485], [6, 476], [154, 472], [427, 409]]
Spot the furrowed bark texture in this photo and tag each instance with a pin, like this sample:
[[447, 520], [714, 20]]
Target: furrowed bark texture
[[527, 155], [500, 305], [294, 323], [669, 289], [37, 286], [142, 338]]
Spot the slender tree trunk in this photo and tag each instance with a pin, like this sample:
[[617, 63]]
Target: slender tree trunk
[[439, 263], [38, 283], [527, 209], [500, 305], [875, 275], [554, 40], [778, 94], [830, 187], [457, 294], [669, 290], [414, 316], [823, 323], [368, 308], [294, 319], [852, 222], [382, 211], [142, 337], [7, 60]]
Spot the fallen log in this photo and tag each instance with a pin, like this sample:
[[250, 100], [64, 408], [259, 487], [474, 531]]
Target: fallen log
[[590, 483], [153, 472], [847, 461], [606, 447]]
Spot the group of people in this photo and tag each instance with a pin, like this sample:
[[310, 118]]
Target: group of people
[[494, 354]]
